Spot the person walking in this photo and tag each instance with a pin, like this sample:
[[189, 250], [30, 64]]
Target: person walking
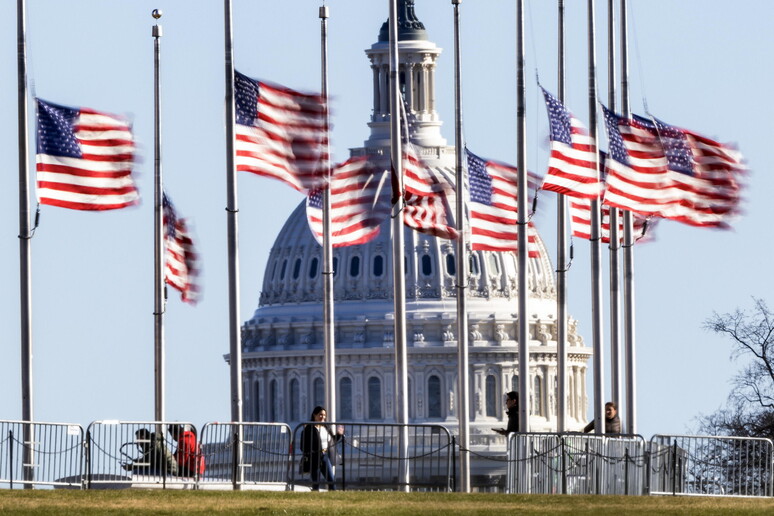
[[318, 447]]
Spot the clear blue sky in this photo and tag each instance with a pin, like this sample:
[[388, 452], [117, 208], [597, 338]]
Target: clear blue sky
[[701, 65]]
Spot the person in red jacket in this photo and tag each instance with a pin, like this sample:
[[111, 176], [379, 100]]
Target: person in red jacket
[[190, 461]]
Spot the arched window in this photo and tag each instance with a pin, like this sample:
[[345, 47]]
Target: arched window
[[451, 265], [335, 266], [313, 267], [410, 399], [515, 383], [374, 398], [427, 265], [257, 404], [283, 269], [318, 390], [345, 399], [474, 265], [297, 268], [295, 401], [494, 264], [491, 396], [273, 401], [354, 267], [434, 397], [537, 407], [378, 266]]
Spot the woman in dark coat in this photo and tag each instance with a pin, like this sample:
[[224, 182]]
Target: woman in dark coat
[[318, 445]]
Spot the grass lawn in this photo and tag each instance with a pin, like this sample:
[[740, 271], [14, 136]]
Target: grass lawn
[[381, 503]]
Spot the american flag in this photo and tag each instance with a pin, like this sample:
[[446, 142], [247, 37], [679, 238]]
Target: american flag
[[181, 263], [572, 169], [426, 198], [360, 202], [493, 207], [658, 169], [280, 133], [84, 159]]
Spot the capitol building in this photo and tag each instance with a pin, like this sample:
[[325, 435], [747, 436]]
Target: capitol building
[[282, 344]]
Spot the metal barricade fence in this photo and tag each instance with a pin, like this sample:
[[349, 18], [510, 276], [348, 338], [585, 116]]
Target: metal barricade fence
[[711, 465], [123, 454], [265, 455], [544, 463], [54, 451], [369, 457]]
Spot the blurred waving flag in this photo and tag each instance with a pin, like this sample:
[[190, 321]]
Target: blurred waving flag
[[493, 207], [360, 202], [571, 165], [280, 133], [84, 159], [181, 268]]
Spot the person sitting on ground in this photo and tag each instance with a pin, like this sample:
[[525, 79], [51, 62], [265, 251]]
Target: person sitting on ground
[[512, 409], [155, 458], [612, 421], [190, 461]]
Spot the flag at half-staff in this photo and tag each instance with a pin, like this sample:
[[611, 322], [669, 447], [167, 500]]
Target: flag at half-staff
[[572, 169], [660, 170], [360, 202], [181, 262], [493, 207], [280, 133], [84, 158], [426, 195]]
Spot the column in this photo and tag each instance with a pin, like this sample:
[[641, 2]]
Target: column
[[377, 102]]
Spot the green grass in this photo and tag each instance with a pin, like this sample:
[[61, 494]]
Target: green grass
[[43, 502]]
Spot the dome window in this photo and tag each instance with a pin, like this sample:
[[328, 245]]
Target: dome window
[[319, 392], [474, 265], [494, 264], [354, 267], [274, 270], [295, 400], [335, 266], [378, 267], [345, 399], [427, 265], [297, 268], [374, 398], [283, 269], [451, 265], [313, 268]]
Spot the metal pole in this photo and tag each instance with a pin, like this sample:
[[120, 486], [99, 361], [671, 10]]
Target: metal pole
[[158, 233], [463, 378], [235, 345], [596, 262], [399, 277], [615, 236], [25, 260], [561, 264], [328, 320], [521, 164], [628, 253]]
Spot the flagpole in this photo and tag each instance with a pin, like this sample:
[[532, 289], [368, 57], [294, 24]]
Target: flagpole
[[158, 233], [561, 263], [328, 321], [615, 244], [628, 252], [521, 165], [399, 277], [463, 379], [25, 261], [596, 262], [235, 345]]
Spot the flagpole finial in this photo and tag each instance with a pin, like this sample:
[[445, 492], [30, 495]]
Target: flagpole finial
[[157, 14]]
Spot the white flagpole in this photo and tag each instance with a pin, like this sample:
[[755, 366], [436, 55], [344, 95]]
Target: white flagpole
[[25, 261], [628, 252], [615, 266], [158, 233], [463, 379], [596, 262], [521, 164], [235, 344], [561, 264], [328, 320], [399, 277]]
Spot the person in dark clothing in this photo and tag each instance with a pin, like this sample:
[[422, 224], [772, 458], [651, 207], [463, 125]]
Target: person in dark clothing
[[318, 445], [612, 421], [512, 409], [155, 458]]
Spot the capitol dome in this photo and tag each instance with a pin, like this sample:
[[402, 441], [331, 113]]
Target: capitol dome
[[282, 357]]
